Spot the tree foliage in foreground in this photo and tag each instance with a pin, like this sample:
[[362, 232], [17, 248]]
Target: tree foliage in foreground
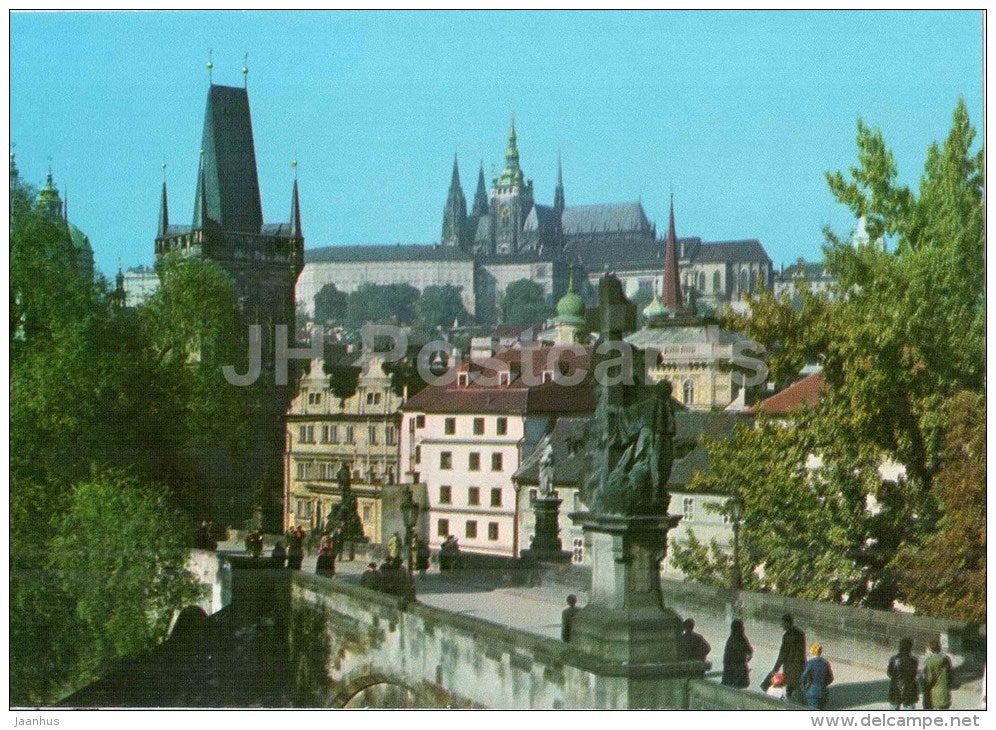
[[524, 302], [902, 336]]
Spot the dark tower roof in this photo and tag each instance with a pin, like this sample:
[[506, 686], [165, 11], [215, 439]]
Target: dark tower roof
[[672, 283], [230, 183], [481, 206], [202, 217], [455, 212], [163, 214], [295, 216]]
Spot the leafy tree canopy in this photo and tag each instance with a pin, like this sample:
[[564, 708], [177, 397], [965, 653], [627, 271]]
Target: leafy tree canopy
[[525, 303], [330, 304]]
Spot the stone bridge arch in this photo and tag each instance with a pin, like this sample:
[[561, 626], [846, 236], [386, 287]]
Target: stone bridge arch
[[369, 687]]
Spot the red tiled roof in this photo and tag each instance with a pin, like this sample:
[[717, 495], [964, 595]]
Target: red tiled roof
[[801, 394], [517, 397]]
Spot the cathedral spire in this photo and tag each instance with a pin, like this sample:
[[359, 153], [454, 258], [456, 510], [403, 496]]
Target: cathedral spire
[[481, 196], [512, 174], [295, 216], [558, 194], [455, 212], [672, 282]]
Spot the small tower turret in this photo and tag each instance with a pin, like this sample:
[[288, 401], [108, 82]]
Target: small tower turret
[[558, 194], [481, 196]]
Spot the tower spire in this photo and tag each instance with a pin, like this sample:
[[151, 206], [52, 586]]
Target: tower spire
[[163, 209], [481, 196], [200, 204], [672, 282], [455, 212], [295, 216], [210, 68], [512, 174], [558, 194], [245, 71]]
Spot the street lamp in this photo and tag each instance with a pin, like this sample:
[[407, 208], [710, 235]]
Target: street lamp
[[409, 515], [735, 514]]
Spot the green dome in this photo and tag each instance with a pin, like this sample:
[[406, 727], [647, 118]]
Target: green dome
[[655, 309], [571, 305]]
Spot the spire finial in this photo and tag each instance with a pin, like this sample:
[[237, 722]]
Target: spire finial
[[164, 171], [210, 67], [294, 167], [245, 70]]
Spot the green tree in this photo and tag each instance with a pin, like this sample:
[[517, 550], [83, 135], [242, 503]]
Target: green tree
[[439, 306], [902, 334], [947, 575], [381, 303], [330, 304], [525, 303], [121, 553]]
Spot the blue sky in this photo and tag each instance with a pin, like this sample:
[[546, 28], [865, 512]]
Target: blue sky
[[740, 112]]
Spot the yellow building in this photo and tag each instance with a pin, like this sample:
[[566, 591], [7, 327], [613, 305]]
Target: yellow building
[[324, 431]]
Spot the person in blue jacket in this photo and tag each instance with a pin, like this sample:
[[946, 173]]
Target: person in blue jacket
[[816, 677]]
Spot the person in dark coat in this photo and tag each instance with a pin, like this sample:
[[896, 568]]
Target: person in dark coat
[[815, 678], [279, 555], [936, 678], [692, 645], [902, 669], [422, 556], [371, 578], [325, 565], [295, 553], [567, 617], [736, 655], [791, 656]]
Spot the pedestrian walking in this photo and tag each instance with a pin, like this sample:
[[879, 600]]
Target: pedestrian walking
[[903, 690], [295, 551], [325, 565], [692, 645], [791, 656], [279, 555], [567, 617], [936, 678], [777, 687], [816, 676], [371, 578], [422, 555], [736, 655]]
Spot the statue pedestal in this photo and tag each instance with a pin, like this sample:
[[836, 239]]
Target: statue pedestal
[[546, 546], [625, 619]]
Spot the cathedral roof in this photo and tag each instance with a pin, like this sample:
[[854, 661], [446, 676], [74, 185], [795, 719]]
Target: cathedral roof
[[684, 335], [482, 232], [385, 252], [746, 250], [542, 218], [602, 218]]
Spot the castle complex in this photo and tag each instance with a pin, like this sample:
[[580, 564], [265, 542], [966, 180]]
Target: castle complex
[[507, 235]]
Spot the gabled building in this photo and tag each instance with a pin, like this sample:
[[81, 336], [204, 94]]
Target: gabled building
[[263, 260], [464, 441], [325, 432]]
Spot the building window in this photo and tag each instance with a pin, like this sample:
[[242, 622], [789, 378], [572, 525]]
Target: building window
[[419, 421], [495, 462], [716, 282], [688, 392], [473, 496], [506, 216], [366, 513], [443, 528], [446, 460], [577, 500], [463, 379], [372, 435], [701, 281], [303, 509], [325, 433], [314, 399], [496, 498], [478, 426], [471, 529], [502, 426], [373, 399], [540, 271], [492, 530], [333, 434], [474, 461], [302, 470], [743, 281], [688, 509], [418, 454], [577, 554], [449, 426], [307, 434], [445, 495], [389, 435], [349, 434]]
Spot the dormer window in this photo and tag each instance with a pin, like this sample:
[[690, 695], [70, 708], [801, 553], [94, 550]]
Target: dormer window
[[547, 376], [505, 378], [463, 379]]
